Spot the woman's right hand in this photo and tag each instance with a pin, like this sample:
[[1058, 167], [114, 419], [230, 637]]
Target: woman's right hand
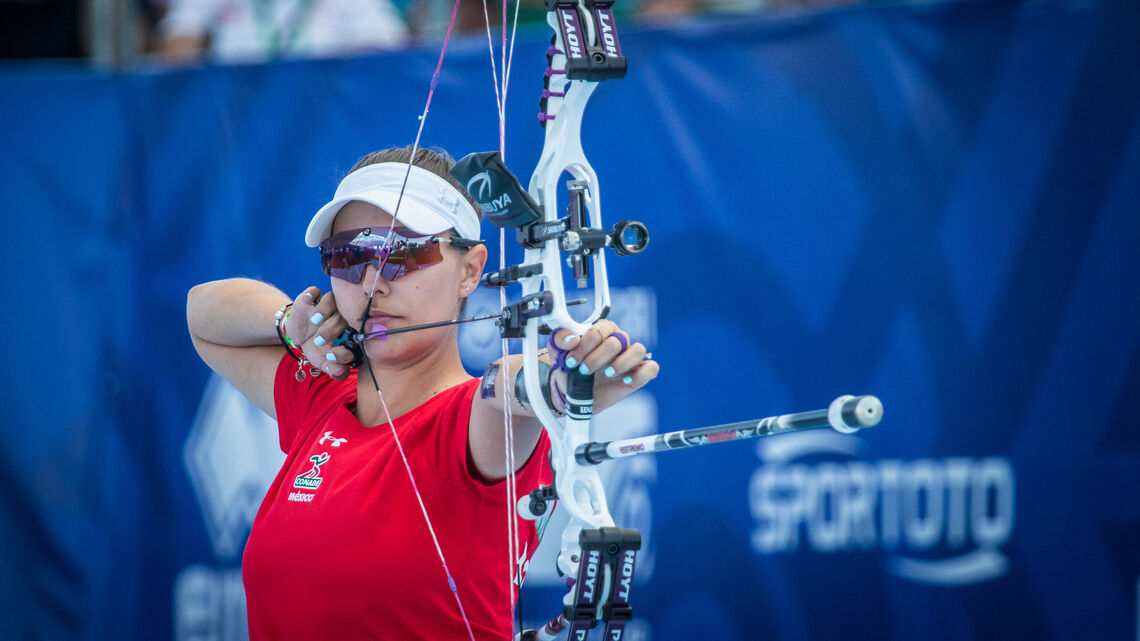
[[313, 325]]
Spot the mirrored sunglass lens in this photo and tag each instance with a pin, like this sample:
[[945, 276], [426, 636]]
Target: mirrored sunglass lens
[[346, 263], [347, 254], [352, 274], [353, 270], [392, 271], [426, 255]]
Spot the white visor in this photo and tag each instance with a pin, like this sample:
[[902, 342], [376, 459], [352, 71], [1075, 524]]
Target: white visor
[[430, 204]]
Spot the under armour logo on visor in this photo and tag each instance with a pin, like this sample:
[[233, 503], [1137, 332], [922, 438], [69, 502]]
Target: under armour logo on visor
[[449, 199]]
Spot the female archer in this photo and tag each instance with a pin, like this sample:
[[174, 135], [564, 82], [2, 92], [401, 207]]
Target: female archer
[[393, 487]]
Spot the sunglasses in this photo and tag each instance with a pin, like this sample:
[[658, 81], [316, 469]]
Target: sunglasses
[[347, 254]]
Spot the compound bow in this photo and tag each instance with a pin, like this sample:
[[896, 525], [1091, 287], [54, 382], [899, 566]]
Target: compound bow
[[596, 556]]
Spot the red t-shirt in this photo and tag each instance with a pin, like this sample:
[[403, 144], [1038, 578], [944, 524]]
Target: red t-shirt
[[340, 549]]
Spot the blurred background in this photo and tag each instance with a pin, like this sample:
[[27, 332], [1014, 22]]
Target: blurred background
[[934, 202]]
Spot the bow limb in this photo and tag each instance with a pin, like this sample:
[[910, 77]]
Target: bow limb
[[571, 78], [579, 489]]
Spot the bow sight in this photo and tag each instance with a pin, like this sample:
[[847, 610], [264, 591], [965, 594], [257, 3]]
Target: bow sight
[[506, 204]]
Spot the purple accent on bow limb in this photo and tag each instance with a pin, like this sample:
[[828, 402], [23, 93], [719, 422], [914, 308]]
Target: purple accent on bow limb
[[546, 93], [544, 117], [552, 50], [551, 72]]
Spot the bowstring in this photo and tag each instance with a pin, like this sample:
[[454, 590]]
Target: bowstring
[[499, 101], [371, 295], [514, 555], [415, 145], [514, 561]]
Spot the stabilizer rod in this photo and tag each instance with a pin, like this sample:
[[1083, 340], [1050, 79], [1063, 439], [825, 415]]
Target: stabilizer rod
[[847, 414]]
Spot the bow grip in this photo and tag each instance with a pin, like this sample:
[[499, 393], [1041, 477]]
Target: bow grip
[[579, 395]]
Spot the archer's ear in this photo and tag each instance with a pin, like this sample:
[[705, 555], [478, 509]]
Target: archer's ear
[[474, 260]]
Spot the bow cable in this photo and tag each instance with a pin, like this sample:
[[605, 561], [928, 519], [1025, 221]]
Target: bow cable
[[371, 295], [515, 557]]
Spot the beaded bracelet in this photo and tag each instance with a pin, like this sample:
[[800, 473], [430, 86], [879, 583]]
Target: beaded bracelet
[[280, 317]]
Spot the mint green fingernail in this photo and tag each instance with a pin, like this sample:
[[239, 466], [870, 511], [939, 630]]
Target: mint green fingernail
[[610, 372], [627, 380], [319, 340], [330, 356], [569, 339], [582, 369], [316, 318], [571, 361]]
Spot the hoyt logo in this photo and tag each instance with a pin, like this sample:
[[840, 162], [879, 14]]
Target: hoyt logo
[[944, 520], [570, 29], [626, 574], [592, 562], [609, 38], [311, 480]]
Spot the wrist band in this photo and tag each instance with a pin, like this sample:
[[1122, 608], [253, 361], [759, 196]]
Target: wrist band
[[544, 381]]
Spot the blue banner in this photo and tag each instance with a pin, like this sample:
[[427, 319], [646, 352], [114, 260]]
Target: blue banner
[[935, 204]]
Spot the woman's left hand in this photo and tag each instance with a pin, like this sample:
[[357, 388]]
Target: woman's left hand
[[619, 365]]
